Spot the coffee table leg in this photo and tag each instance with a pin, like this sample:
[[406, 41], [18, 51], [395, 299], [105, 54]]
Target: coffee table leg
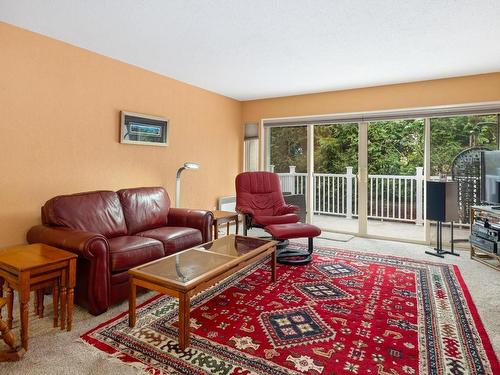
[[131, 303], [184, 307], [273, 265]]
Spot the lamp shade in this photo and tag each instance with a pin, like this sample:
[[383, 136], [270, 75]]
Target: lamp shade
[[190, 165]]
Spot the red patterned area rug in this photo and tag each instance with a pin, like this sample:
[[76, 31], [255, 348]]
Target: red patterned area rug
[[346, 312]]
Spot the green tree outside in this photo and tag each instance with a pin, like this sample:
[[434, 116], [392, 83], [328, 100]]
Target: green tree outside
[[394, 147]]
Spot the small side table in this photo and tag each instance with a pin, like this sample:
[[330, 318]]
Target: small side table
[[32, 267], [221, 217]]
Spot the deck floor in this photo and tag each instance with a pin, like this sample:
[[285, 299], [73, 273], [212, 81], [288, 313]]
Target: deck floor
[[390, 229], [406, 232]]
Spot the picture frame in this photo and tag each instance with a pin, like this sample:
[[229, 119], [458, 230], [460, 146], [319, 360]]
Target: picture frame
[[141, 129]]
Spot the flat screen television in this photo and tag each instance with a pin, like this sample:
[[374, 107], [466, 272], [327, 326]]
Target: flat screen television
[[490, 177]]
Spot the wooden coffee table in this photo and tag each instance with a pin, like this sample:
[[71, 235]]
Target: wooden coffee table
[[191, 271]]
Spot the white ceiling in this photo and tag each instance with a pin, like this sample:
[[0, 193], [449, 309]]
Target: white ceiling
[[248, 49]]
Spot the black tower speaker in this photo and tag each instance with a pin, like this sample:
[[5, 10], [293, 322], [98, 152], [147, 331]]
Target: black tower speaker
[[442, 201], [442, 206]]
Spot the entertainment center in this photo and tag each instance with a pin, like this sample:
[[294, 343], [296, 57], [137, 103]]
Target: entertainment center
[[485, 235]]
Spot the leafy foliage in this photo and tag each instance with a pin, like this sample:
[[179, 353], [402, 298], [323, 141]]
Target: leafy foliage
[[394, 147], [451, 135]]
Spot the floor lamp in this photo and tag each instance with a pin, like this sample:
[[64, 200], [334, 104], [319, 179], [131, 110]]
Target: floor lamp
[[187, 165]]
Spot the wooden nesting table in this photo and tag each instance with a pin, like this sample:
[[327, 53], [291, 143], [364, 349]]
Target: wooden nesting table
[[224, 217], [35, 267], [191, 271]]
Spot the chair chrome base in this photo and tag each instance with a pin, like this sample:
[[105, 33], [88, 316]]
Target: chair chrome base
[[293, 256], [283, 256]]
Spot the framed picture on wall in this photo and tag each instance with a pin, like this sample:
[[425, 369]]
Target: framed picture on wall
[[140, 129]]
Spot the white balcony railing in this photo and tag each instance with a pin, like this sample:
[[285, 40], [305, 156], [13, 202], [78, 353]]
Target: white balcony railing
[[397, 198]]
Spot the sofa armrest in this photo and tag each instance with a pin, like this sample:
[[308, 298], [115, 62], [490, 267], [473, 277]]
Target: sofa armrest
[[198, 219], [75, 241], [92, 247]]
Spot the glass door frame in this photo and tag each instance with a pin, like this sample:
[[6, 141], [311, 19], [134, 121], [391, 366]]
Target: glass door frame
[[362, 174], [362, 177]]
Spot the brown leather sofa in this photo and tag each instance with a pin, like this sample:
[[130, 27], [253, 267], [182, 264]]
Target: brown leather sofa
[[112, 232]]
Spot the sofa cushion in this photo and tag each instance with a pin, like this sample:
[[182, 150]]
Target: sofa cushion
[[130, 251], [144, 208], [95, 211], [174, 239]]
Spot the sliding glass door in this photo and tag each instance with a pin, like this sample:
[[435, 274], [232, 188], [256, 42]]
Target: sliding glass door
[[287, 156], [455, 146], [396, 183], [368, 177], [335, 203]]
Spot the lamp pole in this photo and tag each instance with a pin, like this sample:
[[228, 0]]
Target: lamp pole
[[187, 165]]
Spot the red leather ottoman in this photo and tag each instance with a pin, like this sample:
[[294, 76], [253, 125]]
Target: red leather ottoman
[[283, 232]]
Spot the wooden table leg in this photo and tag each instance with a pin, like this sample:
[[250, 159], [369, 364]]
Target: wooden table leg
[[184, 307], [55, 302], [273, 265], [216, 230], [40, 294], [64, 282], [7, 335], [227, 228], [13, 353], [131, 303], [237, 220], [24, 299], [71, 293], [10, 305], [1, 294], [36, 300]]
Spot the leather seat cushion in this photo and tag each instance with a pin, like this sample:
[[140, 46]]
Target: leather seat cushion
[[281, 219], [131, 251], [174, 239], [297, 230]]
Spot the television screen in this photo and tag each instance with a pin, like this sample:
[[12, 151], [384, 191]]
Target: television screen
[[490, 177]]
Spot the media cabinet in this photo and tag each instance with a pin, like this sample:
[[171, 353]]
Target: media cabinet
[[483, 256]]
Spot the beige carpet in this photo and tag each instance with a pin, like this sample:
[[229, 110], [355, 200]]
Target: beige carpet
[[53, 351]]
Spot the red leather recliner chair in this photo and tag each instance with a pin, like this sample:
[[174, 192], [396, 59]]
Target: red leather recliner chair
[[260, 200]]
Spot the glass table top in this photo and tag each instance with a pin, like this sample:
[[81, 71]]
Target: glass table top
[[187, 265], [233, 245]]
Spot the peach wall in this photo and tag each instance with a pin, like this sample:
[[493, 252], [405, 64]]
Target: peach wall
[[59, 113], [470, 89], [59, 123]]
